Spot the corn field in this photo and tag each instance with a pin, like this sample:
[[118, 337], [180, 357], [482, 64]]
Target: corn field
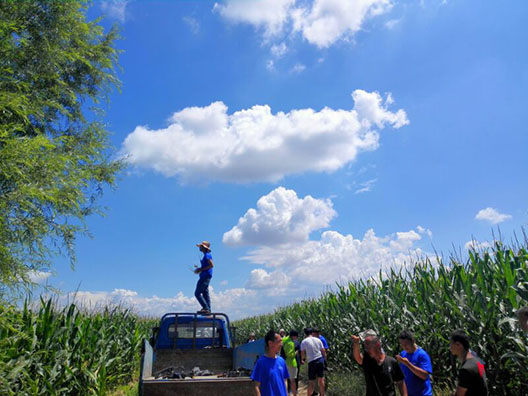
[[479, 294], [52, 351]]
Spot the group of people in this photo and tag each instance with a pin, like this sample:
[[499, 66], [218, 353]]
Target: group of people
[[278, 369], [409, 372]]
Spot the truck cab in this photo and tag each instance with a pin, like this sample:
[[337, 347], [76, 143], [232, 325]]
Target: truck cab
[[193, 331]]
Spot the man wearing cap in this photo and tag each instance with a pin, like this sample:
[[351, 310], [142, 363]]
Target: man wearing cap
[[206, 273], [382, 372]]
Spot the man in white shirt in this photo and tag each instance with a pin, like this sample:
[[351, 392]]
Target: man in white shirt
[[312, 350]]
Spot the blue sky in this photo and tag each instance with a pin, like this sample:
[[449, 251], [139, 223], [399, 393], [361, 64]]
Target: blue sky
[[312, 142]]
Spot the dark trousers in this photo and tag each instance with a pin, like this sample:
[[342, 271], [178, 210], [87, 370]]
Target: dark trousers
[[202, 293]]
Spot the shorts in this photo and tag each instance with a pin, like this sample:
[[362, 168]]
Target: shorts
[[316, 369], [293, 372]]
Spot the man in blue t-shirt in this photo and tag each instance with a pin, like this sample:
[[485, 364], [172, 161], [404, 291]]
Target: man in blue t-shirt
[[270, 372], [206, 273], [416, 366]]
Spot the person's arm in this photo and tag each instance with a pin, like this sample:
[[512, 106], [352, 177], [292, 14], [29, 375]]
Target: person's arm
[[460, 391], [323, 351], [358, 357], [303, 356], [257, 388], [198, 270], [402, 388], [419, 372]]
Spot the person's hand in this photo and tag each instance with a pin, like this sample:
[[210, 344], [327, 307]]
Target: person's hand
[[355, 339], [402, 360], [197, 271]]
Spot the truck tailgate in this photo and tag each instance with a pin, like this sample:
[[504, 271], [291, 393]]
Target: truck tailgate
[[199, 387]]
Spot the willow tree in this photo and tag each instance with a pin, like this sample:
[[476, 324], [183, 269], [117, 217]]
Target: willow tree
[[55, 158]]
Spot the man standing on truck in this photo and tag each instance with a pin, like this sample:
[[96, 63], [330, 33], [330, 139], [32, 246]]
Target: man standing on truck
[[270, 372], [206, 273]]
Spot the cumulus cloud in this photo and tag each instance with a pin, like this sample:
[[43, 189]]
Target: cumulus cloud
[[115, 9], [279, 229], [237, 301], [269, 16], [320, 22], [492, 216], [477, 245], [337, 257], [261, 279], [38, 276], [252, 145], [325, 22], [280, 217]]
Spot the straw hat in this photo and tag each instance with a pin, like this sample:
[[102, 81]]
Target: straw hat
[[205, 244]]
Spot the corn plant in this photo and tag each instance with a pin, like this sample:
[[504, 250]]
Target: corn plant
[[67, 351]]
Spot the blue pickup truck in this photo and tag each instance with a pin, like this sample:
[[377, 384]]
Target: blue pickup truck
[[194, 354]]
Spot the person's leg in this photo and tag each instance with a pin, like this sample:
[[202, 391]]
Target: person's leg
[[205, 293], [311, 385], [198, 293], [297, 377], [291, 381], [321, 382]]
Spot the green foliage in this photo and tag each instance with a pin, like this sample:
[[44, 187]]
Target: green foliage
[[54, 154], [66, 351], [431, 300]]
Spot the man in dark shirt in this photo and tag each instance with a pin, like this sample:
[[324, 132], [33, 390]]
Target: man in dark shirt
[[471, 379], [382, 372]]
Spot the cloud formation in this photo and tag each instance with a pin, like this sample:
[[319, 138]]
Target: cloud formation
[[280, 218], [255, 145], [280, 227], [115, 9], [492, 216], [320, 22], [337, 257], [237, 301]]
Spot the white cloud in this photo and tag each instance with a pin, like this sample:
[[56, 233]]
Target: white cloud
[[328, 21], [391, 24], [366, 186], [270, 65], [261, 279], [238, 302], [193, 24], [279, 229], [337, 258], [252, 145], [492, 215], [266, 15], [281, 217], [321, 22], [426, 231], [38, 276], [278, 50], [297, 68], [477, 245], [115, 9]]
